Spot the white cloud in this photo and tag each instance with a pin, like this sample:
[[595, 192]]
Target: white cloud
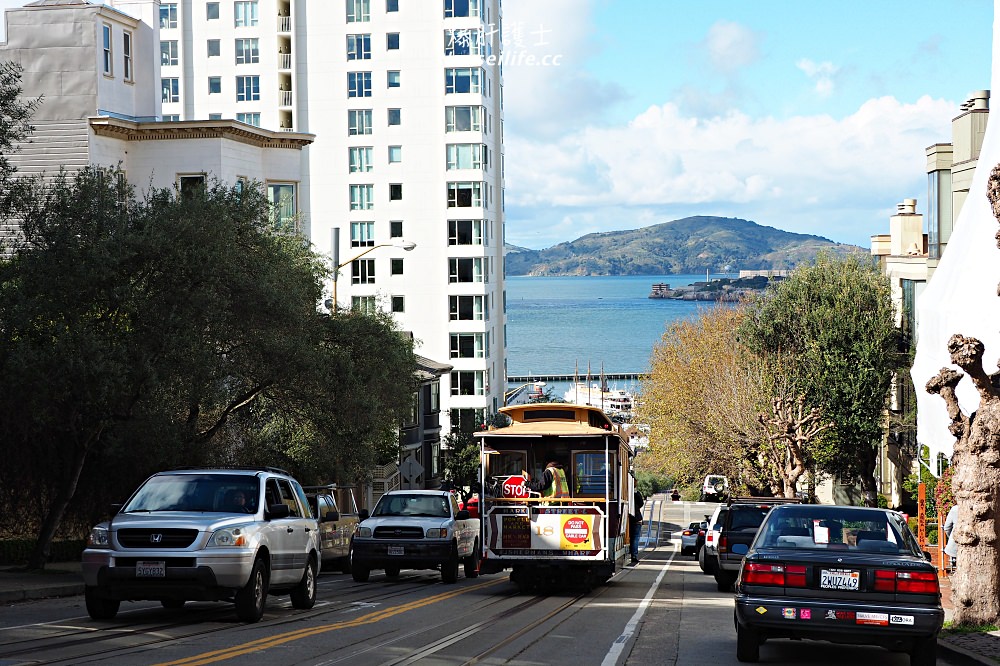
[[822, 74], [731, 46]]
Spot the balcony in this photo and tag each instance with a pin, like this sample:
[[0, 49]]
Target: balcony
[[284, 98], [284, 61], [284, 24]]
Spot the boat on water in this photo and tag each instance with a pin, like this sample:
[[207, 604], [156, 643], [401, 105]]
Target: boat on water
[[613, 401]]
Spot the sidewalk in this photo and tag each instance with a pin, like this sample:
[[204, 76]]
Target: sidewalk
[[983, 647]]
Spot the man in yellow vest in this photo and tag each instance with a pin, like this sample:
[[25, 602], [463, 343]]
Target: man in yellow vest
[[553, 482]]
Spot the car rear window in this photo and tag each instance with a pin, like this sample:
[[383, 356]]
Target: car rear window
[[746, 518], [837, 528]]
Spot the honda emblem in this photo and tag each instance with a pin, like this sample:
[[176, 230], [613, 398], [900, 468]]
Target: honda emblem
[[156, 538]]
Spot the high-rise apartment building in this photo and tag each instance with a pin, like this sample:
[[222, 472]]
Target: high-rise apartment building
[[406, 171]]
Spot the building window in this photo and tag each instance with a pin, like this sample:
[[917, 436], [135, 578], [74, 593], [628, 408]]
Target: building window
[[398, 304], [454, 8], [168, 52], [215, 116], [467, 420], [359, 47], [392, 78], [467, 345], [282, 198], [465, 195], [395, 266], [392, 41], [127, 53], [189, 185], [362, 197], [396, 229], [247, 51], [212, 11], [463, 119], [395, 154], [171, 118], [465, 156], [465, 232], [106, 38], [359, 84], [214, 85], [246, 14], [249, 118], [214, 48], [464, 41], [391, 5], [247, 88], [362, 234], [360, 159], [395, 117], [359, 121], [469, 269], [363, 271], [395, 192], [465, 308], [358, 11], [463, 80], [171, 90], [168, 15], [365, 304], [468, 382]]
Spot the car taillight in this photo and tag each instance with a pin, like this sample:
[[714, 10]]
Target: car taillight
[[686, 532], [764, 574], [906, 582], [701, 532], [723, 544], [795, 575], [710, 537]]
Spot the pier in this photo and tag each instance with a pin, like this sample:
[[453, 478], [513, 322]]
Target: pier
[[577, 377]]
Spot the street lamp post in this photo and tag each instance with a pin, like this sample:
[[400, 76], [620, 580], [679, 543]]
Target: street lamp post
[[337, 264]]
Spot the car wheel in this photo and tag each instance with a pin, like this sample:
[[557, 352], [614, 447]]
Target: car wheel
[[304, 594], [711, 564], [345, 564], [252, 597], [747, 644], [449, 568], [392, 572], [924, 652], [701, 560], [359, 572], [472, 562], [98, 607], [172, 604]]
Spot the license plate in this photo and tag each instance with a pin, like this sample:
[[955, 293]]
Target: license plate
[[395, 550], [839, 579], [150, 569]]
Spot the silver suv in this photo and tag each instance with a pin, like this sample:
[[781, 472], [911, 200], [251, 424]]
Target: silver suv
[[206, 535]]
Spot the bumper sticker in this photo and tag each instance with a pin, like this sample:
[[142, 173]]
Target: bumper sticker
[[760, 610], [876, 619], [839, 615], [805, 614], [788, 613], [901, 619]]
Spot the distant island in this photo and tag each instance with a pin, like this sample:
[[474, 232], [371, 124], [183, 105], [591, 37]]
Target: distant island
[[689, 245], [727, 290]]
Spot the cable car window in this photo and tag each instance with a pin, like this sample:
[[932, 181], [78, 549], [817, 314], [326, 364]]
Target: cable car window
[[590, 475], [505, 463]]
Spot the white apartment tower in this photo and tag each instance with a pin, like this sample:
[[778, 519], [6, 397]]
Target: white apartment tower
[[404, 99]]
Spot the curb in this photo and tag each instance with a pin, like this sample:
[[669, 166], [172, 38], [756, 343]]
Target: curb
[[964, 655], [49, 591]]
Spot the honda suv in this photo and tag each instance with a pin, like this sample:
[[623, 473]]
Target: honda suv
[[739, 527], [205, 535]]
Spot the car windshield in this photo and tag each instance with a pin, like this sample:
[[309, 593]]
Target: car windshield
[[220, 493], [747, 518], [433, 506], [837, 528]]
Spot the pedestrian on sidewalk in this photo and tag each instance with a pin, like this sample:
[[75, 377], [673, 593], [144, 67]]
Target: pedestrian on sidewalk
[[951, 548], [635, 525]]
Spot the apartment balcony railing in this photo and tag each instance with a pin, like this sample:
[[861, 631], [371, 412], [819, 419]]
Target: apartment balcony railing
[[285, 97], [284, 24], [287, 129], [284, 61]]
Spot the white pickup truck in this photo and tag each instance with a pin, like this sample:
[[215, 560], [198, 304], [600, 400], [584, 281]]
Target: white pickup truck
[[416, 529]]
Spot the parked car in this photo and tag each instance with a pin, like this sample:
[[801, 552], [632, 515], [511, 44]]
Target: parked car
[[838, 573], [707, 556], [689, 539], [205, 535], [739, 527], [715, 488], [337, 521]]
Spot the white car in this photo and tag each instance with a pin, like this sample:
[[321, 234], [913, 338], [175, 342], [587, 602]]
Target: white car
[[715, 488], [708, 556]]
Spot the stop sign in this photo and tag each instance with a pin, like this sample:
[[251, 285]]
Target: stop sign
[[513, 486]]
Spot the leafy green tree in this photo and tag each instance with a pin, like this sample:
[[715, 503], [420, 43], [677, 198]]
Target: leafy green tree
[[15, 116], [832, 324]]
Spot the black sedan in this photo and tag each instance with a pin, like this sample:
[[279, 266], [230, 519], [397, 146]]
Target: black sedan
[[838, 573]]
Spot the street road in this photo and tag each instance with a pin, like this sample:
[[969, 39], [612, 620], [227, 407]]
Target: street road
[[663, 611]]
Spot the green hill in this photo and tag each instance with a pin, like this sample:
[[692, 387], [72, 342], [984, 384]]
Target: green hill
[[689, 245]]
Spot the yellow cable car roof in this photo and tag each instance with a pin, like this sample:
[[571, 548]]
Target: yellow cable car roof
[[555, 418]]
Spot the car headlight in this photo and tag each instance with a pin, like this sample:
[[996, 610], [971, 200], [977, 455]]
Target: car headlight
[[230, 537], [437, 532], [99, 537], [364, 532]]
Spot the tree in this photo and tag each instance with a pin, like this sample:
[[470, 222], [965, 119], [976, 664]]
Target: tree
[[832, 323], [15, 116], [791, 429]]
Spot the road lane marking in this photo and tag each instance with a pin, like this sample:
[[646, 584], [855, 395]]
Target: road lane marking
[[616, 648], [288, 637]]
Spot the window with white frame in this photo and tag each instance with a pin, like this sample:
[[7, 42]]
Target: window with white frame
[[395, 116], [464, 41], [468, 382], [391, 5], [171, 118], [362, 197], [247, 88], [107, 53], [362, 234], [392, 41], [168, 15], [467, 345], [127, 55], [395, 192], [398, 304], [359, 159], [465, 156], [465, 269], [465, 308], [465, 195], [465, 232], [169, 52], [395, 154], [453, 8], [283, 208], [392, 78], [215, 116], [359, 121], [247, 51], [363, 271], [212, 11], [359, 47], [396, 266], [245, 13], [214, 48], [171, 88], [214, 85], [364, 304], [249, 118], [358, 11], [359, 84], [463, 80], [463, 118], [395, 229]]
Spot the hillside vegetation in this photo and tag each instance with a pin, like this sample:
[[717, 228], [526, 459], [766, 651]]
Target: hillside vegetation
[[689, 245]]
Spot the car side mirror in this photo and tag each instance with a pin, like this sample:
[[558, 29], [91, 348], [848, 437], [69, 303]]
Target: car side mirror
[[278, 511], [332, 516], [363, 514], [462, 515], [115, 508], [927, 556]]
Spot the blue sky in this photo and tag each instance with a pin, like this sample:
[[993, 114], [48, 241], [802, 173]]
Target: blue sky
[[806, 116]]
